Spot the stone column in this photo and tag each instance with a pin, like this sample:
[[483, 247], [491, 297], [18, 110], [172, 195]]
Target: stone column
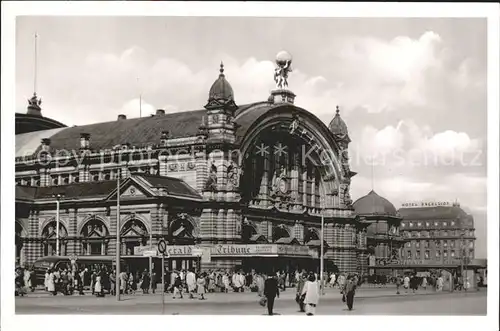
[[72, 232]]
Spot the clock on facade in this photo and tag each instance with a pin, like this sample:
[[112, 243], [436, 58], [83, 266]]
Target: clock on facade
[[283, 186]]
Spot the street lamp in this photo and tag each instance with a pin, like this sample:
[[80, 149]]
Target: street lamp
[[118, 246], [58, 198]]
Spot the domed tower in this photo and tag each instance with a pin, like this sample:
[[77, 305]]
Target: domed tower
[[339, 130], [220, 110], [383, 241]]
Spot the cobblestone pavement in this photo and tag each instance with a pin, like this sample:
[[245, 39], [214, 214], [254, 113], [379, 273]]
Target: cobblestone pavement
[[368, 301]]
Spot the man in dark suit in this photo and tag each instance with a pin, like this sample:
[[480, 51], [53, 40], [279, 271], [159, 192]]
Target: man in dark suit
[[271, 291]]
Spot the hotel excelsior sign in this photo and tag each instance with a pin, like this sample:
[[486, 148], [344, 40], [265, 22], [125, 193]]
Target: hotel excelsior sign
[[242, 250], [427, 204]]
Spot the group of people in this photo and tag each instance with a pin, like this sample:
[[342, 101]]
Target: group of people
[[24, 281], [99, 280]]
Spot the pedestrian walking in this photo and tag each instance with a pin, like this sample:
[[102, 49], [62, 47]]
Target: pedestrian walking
[[271, 291], [311, 294], [191, 283], [398, 284], [51, 284], [299, 297], [350, 289], [177, 286], [200, 286]]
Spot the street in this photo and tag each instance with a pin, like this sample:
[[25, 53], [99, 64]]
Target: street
[[368, 301]]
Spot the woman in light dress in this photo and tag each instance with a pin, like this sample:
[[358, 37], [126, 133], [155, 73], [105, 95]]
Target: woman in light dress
[[98, 289], [51, 283], [200, 286], [46, 283], [311, 292], [225, 281]]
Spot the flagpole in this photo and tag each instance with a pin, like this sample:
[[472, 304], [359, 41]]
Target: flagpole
[[36, 64]]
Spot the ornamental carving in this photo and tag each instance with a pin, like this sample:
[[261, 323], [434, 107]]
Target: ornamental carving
[[211, 183], [234, 174]]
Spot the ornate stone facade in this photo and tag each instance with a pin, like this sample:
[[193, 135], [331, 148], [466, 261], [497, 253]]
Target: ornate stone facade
[[258, 174]]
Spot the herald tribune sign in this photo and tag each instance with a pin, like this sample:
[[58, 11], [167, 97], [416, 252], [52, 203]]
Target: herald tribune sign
[[427, 204]]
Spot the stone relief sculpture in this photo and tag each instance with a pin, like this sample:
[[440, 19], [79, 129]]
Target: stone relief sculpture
[[233, 176], [211, 183]]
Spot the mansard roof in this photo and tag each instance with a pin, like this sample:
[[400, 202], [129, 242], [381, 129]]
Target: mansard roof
[[174, 187]]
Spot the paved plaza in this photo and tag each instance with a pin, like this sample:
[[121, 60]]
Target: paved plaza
[[368, 301]]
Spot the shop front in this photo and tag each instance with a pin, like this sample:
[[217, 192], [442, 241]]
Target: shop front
[[264, 258]]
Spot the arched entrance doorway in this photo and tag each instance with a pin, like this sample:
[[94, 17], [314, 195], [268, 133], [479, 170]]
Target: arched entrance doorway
[[49, 240], [95, 237]]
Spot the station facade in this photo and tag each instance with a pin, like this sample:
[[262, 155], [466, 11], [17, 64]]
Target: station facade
[[250, 183]]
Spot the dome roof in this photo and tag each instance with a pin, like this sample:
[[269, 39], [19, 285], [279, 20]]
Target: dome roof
[[221, 89], [374, 204], [337, 125]]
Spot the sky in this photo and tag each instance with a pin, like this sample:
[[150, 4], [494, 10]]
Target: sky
[[411, 91]]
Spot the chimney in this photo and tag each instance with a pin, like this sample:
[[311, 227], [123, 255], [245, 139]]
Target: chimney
[[84, 140], [122, 117], [160, 112], [46, 144]]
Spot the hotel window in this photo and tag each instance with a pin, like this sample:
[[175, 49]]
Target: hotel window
[[403, 225], [76, 179], [445, 223], [408, 244], [452, 223], [438, 254], [408, 255], [417, 244], [417, 255], [427, 255], [411, 224], [445, 254], [471, 253], [452, 253], [452, 244], [418, 234], [55, 181], [419, 224], [435, 223], [471, 244], [445, 233], [426, 243], [427, 224]]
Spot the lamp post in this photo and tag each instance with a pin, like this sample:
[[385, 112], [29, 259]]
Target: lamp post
[[58, 198], [118, 246], [321, 266]]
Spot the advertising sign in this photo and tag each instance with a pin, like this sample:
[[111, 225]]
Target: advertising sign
[[139, 250], [221, 250]]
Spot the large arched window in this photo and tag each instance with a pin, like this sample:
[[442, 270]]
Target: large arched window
[[280, 231], [133, 234], [95, 241], [49, 239]]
